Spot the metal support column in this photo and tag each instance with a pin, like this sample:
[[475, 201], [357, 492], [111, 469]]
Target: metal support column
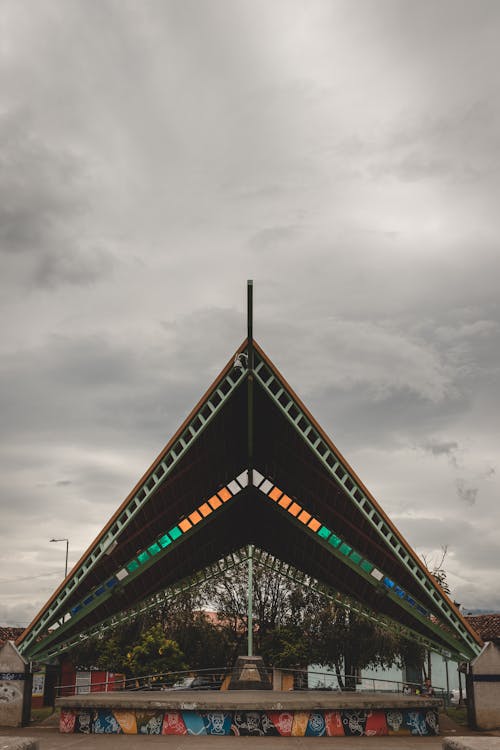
[[250, 381], [250, 600], [250, 454]]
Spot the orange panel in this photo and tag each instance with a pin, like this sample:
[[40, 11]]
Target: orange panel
[[294, 509], [304, 516], [314, 524], [195, 517], [275, 494], [224, 494], [184, 525], [285, 501], [205, 509], [215, 502]]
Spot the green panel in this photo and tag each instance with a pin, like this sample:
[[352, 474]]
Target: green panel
[[324, 532], [165, 540], [132, 565], [143, 557], [334, 540], [356, 557], [345, 549], [367, 566], [214, 571], [175, 533], [154, 549]]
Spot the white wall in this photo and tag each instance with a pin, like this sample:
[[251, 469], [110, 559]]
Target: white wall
[[386, 679]]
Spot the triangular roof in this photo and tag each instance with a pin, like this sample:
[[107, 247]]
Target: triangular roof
[[304, 505]]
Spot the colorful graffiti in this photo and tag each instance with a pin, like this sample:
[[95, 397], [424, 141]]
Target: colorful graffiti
[[418, 722]]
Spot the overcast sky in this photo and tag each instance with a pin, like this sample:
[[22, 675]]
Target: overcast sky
[[154, 155]]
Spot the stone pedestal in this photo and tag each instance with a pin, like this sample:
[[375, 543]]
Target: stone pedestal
[[15, 687], [249, 673], [483, 688]]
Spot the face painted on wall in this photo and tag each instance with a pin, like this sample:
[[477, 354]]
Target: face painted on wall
[[217, 722], [9, 693]]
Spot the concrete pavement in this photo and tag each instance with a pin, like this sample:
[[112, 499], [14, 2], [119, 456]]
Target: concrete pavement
[[51, 739]]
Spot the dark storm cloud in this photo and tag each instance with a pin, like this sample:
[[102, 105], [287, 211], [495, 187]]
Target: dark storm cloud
[[456, 536], [44, 198], [155, 155], [446, 448], [465, 493], [94, 388], [455, 148]]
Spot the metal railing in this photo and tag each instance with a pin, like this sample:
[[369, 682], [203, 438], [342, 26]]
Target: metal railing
[[156, 681], [359, 683], [216, 677]]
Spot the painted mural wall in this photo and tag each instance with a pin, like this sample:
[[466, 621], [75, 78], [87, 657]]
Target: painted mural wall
[[422, 722]]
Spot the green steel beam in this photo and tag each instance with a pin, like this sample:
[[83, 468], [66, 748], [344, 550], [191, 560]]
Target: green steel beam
[[160, 599], [205, 414], [453, 643], [265, 487], [234, 560], [127, 573], [288, 571], [280, 395]]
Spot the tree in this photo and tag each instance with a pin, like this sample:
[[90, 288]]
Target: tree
[[154, 653], [296, 626], [438, 572], [205, 644]]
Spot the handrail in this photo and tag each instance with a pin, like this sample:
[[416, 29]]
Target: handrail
[[217, 675]]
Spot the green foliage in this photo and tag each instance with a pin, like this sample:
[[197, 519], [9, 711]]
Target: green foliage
[[286, 647], [155, 653], [293, 627]]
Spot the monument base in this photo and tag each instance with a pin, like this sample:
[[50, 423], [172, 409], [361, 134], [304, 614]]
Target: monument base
[[249, 673]]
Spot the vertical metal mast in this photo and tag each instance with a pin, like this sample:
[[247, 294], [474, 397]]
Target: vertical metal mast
[[250, 453], [250, 600], [250, 379]]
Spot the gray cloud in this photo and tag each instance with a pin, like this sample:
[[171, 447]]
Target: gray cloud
[[44, 198], [466, 493], [448, 448], [156, 155]]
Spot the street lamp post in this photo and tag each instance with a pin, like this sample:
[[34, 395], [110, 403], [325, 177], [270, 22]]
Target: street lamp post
[[67, 547]]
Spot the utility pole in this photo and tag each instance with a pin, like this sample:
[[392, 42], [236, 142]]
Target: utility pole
[[67, 548]]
